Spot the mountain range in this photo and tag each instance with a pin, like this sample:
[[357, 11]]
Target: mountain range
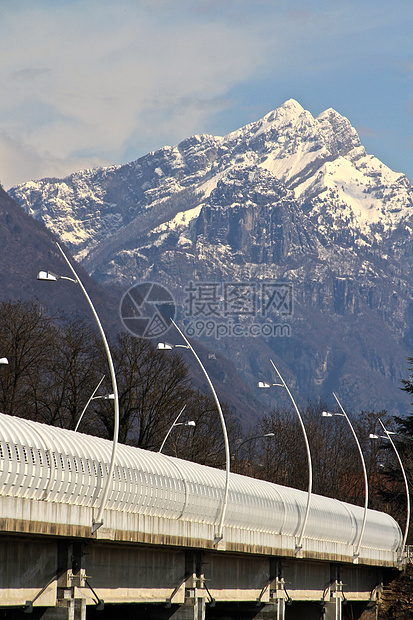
[[286, 224]]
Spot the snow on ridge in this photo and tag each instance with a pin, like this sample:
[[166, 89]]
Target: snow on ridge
[[330, 113], [181, 219], [288, 113], [349, 185], [286, 166], [341, 183], [372, 165]]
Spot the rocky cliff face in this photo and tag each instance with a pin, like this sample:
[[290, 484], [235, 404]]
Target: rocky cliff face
[[289, 205]]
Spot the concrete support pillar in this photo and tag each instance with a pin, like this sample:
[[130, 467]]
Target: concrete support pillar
[[269, 612], [333, 602], [193, 607], [71, 575], [333, 610], [278, 592], [66, 609]]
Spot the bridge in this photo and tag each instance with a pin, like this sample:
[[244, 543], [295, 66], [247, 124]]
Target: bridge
[[159, 552]]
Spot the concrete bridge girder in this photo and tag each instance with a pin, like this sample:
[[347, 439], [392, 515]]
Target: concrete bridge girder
[[68, 576]]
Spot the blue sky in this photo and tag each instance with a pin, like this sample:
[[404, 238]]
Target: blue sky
[[92, 82]]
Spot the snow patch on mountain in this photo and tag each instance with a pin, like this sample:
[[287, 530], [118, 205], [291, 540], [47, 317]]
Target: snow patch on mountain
[[287, 166], [181, 219]]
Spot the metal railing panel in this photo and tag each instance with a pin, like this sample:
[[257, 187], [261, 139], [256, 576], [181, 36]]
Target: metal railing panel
[[43, 462]]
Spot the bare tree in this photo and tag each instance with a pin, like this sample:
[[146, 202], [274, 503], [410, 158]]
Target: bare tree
[[27, 339], [203, 443], [55, 366], [152, 388], [337, 467], [61, 387]]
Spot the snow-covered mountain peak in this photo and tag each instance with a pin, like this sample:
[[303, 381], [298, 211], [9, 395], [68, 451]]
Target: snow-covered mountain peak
[[320, 160], [277, 121], [292, 104], [288, 112]]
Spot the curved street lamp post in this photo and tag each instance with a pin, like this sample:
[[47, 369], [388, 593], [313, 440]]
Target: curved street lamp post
[[48, 276], [328, 414], [176, 423], [164, 346], [387, 435], [93, 397], [265, 384]]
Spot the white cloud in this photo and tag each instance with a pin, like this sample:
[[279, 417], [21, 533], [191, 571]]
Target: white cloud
[[85, 78], [20, 163], [86, 82]]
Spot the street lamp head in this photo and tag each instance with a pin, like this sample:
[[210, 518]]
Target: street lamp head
[[4, 360], [327, 414], [164, 346], [269, 435], [104, 397], [190, 423], [373, 436], [265, 384], [47, 276]]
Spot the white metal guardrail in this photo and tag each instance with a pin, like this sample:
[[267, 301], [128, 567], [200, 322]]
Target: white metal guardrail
[[56, 466]]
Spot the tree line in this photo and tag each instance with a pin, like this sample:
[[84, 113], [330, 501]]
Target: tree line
[[55, 365]]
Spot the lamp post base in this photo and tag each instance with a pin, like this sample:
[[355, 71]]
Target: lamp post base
[[96, 525]]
